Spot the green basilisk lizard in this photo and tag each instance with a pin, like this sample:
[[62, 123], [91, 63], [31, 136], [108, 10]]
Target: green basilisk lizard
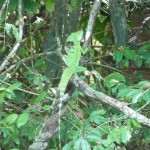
[[72, 67]]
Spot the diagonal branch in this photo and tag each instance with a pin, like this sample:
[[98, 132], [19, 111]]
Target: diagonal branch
[[110, 101], [16, 46]]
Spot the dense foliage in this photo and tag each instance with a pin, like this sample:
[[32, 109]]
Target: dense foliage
[[116, 65]]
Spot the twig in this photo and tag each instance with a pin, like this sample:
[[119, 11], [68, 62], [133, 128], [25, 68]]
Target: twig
[[3, 7], [16, 46], [26, 60], [29, 92]]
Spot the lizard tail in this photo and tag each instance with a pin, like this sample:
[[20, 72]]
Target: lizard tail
[[68, 72]]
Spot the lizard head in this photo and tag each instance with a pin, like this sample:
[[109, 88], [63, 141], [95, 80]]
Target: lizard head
[[75, 36]]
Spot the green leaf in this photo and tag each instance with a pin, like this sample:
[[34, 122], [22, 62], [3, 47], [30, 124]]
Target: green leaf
[[136, 123], [22, 119], [77, 144], [98, 119], [11, 118], [2, 95], [113, 79], [129, 54], [40, 98], [49, 4], [93, 137], [68, 146], [15, 138], [31, 5], [118, 55], [141, 84], [139, 62], [125, 135], [14, 86], [22, 52], [46, 107], [85, 145], [98, 112], [146, 96], [144, 47], [10, 28], [39, 62], [133, 92], [137, 97], [2, 88], [114, 136], [123, 92], [126, 63]]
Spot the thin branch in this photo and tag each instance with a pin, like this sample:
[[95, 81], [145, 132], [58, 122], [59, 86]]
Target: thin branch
[[91, 22], [16, 46], [110, 101], [3, 7], [26, 91]]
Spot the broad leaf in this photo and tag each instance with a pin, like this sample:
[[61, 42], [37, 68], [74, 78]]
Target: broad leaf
[[49, 4], [68, 146], [22, 119], [11, 118], [85, 145], [125, 135], [40, 98], [118, 55], [113, 79], [14, 86], [77, 144], [136, 123], [10, 28], [114, 136]]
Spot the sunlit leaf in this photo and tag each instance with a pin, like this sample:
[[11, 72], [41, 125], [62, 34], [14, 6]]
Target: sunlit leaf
[[113, 79], [49, 4], [68, 146], [22, 119], [85, 145], [125, 135], [136, 123], [11, 118]]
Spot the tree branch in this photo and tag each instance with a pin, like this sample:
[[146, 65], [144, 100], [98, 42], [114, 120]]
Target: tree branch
[[16, 46], [91, 22], [28, 59], [3, 7], [110, 101]]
